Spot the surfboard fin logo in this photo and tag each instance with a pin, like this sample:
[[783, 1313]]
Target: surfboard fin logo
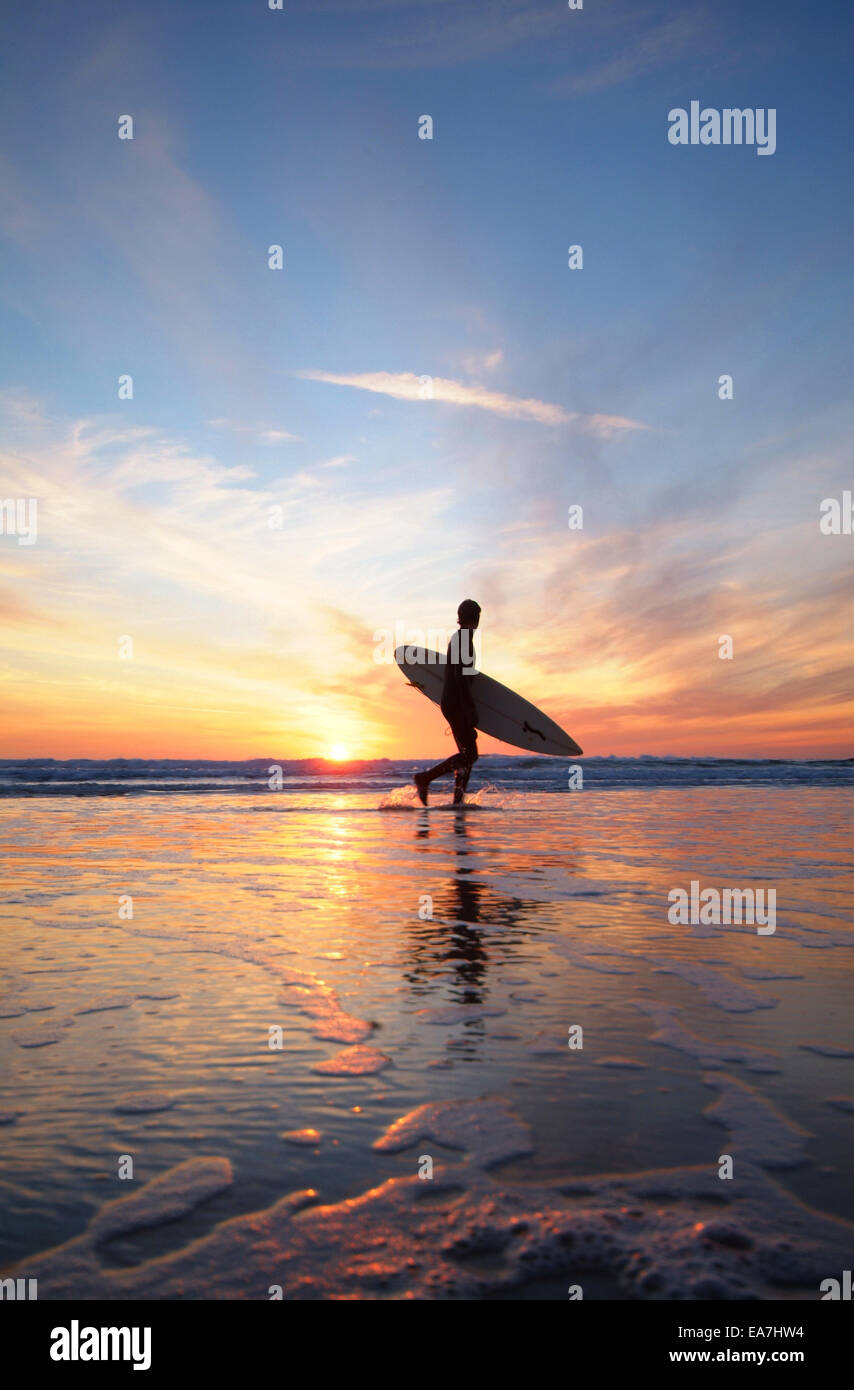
[[529, 729]]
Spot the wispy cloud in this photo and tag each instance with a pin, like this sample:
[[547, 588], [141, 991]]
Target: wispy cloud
[[229, 613], [639, 46], [226, 639], [339, 461], [406, 386], [643, 669], [445, 33], [263, 433]]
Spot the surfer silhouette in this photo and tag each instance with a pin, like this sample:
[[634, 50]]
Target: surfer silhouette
[[458, 707]]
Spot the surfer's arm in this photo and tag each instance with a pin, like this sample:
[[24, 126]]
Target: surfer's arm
[[457, 693]]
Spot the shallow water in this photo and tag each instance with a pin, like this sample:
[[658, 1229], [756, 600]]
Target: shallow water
[[149, 1036]]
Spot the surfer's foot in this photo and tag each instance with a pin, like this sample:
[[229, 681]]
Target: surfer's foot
[[421, 785]]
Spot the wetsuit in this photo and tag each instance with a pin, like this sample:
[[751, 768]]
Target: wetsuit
[[459, 709]]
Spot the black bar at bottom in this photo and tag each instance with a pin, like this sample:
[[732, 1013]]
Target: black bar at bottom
[[239, 1338]]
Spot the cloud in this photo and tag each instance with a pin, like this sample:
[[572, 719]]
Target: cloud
[[264, 433], [444, 33], [406, 386], [478, 364], [251, 639], [186, 541], [641, 51], [642, 670], [246, 638], [13, 610]]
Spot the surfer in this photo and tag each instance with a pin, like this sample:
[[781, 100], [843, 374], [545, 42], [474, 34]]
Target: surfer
[[458, 707]]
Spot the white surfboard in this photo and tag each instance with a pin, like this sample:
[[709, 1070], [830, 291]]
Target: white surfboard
[[501, 713]]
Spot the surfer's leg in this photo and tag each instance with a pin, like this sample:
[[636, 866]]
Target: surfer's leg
[[459, 762], [442, 769], [422, 780], [467, 744]]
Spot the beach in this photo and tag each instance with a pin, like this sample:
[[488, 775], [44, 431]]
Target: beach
[[355, 1049]]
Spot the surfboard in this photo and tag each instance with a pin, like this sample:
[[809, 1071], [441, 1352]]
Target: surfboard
[[501, 713]]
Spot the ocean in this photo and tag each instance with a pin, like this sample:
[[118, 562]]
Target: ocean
[[271, 1028], [86, 777]]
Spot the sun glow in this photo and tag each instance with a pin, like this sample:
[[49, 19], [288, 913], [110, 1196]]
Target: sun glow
[[338, 753]]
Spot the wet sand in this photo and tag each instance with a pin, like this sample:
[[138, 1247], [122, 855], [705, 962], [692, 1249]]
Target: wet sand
[[424, 970]]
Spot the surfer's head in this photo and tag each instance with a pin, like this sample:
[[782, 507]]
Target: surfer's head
[[468, 613]]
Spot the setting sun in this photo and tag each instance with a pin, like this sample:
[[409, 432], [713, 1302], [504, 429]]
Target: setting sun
[[338, 753]]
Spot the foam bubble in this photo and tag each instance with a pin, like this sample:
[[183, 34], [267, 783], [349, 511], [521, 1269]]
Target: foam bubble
[[758, 1131], [673, 1033], [720, 989], [165, 1198], [488, 1129], [648, 1233], [354, 1061]]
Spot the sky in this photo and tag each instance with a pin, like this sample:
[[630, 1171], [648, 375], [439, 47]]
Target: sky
[[320, 456]]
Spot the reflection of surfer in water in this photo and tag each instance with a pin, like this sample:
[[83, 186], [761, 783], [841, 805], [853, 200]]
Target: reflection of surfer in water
[[452, 936], [457, 706]]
